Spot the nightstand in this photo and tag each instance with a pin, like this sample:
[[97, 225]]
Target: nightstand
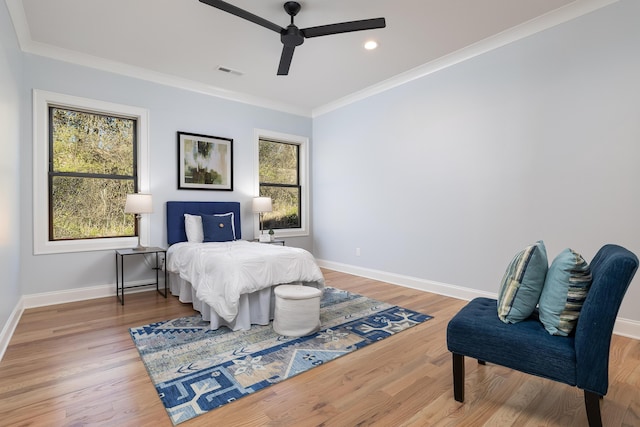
[[273, 242], [122, 253]]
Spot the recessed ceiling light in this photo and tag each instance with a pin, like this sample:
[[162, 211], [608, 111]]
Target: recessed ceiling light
[[371, 44]]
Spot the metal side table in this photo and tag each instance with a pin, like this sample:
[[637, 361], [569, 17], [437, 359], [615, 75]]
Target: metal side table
[[120, 284]]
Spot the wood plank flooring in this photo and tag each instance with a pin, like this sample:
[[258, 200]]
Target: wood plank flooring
[[75, 365]]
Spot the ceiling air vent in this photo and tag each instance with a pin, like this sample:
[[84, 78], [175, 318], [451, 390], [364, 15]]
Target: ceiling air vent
[[229, 70]]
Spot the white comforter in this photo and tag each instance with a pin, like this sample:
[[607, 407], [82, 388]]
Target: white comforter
[[221, 272]]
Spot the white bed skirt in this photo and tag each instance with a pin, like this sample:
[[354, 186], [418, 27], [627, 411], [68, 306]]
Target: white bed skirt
[[253, 309]]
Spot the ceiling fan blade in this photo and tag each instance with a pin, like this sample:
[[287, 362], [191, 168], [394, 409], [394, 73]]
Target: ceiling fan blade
[[285, 60], [241, 13], [344, 27]]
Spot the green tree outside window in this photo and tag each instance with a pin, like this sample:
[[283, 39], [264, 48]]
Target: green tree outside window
[[92, 168], [279, 169]]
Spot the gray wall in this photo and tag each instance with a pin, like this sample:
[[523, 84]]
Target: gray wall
[[171, 110], [10, 82], [445, 178]]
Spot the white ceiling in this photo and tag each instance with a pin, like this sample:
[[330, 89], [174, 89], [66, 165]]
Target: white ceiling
[[182, 42]]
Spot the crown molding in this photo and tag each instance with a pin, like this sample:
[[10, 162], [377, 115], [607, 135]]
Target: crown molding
[[538, 24], [541, 23], [27, 45]]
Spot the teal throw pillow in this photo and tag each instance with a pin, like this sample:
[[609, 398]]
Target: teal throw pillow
[[565, 290], [522, 284], [218, 228]]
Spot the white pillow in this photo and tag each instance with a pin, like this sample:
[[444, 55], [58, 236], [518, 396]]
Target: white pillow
[[193, 228]]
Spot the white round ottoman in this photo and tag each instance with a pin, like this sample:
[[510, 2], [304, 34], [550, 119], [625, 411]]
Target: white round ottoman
[[297, 311]]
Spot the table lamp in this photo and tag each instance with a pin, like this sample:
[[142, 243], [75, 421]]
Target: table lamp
[[138, 204], [260, 206]]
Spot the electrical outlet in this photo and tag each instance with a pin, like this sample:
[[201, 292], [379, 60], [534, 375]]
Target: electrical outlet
[[357, 251]]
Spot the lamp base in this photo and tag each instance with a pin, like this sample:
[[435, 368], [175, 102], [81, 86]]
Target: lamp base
[[139, 247], [265, 238]]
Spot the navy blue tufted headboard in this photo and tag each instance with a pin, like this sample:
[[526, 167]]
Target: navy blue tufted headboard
[[176, 211]]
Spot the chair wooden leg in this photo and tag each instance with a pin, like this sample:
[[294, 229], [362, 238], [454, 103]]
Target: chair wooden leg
[[592, 404], [458, 377]]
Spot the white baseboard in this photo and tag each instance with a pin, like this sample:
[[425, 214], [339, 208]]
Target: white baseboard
[[10, 327], [59, 297], [627, 328], [80, 294], [68, 295], [439, 288], [624, 327]]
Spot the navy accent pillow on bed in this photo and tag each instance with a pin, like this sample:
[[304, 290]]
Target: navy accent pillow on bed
[[218, 228]]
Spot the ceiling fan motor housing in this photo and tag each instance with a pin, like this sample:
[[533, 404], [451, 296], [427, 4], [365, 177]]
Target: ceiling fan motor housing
[[292, 36]]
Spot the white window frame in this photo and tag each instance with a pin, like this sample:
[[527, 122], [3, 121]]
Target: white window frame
[[41, 102], [303, 144]]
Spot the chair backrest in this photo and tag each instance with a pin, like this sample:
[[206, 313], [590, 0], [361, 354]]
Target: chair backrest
[[612, 269]]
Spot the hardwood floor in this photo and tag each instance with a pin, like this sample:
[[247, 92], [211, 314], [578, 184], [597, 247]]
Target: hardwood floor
[[75, 364]]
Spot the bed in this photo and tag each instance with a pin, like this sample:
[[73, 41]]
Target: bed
[[229, 282]]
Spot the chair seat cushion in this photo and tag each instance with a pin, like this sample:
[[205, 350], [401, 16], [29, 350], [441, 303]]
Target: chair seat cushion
[[476, 331]]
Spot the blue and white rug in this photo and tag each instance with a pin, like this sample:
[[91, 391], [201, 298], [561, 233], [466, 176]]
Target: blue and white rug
[[195, 369]]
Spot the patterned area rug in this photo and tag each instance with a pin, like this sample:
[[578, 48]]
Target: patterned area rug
[[195, 369]]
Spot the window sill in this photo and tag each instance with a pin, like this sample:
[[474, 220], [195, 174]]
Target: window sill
[[283, 234], [69, 246]]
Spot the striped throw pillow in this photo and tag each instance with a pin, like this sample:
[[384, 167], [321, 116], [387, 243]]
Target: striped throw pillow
[[565, 290], [522, 283]]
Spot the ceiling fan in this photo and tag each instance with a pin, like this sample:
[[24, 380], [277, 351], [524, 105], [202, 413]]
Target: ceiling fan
[[292, 36]]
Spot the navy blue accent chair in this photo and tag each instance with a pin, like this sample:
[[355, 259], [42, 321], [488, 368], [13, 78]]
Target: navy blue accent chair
[[581, 359]]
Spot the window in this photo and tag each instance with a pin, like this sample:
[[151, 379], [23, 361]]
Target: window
[[282, 175], [92, 169], [88, 155], [280, 180]]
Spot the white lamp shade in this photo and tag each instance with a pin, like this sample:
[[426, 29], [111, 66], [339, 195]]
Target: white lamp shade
[[138, 203], [262, 204]]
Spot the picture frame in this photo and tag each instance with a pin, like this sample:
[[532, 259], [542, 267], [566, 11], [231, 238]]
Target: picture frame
[[204, 162]]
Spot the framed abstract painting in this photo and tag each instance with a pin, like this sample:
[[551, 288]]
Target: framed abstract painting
[[204, 162]]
